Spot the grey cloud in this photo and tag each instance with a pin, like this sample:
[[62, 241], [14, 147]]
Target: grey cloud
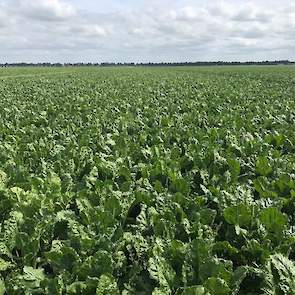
[[47, 10], [92, 30], [248, 15], [188, 13], [186, 31], [3, 21]]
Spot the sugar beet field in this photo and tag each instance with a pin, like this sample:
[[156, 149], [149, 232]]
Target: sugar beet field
[[146, 181]]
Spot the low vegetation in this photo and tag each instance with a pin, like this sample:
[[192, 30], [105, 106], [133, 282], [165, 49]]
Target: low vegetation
[[147, 181]]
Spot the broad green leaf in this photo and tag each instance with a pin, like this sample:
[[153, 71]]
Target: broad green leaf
[[274, 220], [263, 187], [235, 168], [213, 267], [194, 290], [100, 263], [3, 179], [225, 247], [207, 216], [54, 182], [238, 215], [217, 286], [180, 185], [62, 257], [107, 285], [161, 291], [54, 285], [201, 251], [279, 276], [32, 274], [263, 166], [5, 265], [161, 271], [76, 288], [2, 287], [112, 204], [237, 278], [32, 278]]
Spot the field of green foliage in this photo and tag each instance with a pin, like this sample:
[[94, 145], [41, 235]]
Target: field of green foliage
[[146, 181]]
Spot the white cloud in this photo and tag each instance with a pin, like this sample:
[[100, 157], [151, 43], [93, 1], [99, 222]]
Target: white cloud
[[187, 13], [250, 14], [91, 30], [49, 10], [3, 20], [153, 31]]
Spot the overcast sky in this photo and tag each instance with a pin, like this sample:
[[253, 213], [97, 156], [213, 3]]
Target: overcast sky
[[146, 30]]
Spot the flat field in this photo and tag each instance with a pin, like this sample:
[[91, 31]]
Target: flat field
[[147, 181]]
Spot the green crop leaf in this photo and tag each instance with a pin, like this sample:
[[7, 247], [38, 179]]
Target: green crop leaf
[[262, 186], [5, 265], [161, 291], [100, 263], [54, 182], [180, 185], [280, 276], [107, 285], [194, 290], [207, 216], [235, 168], [76, 288], [161, 271], [3, 179], [225, 247], [201, 252], [54, 285], [237, 278], [217, 286], [112, 204], [240, 215], [32, 278], [10, 228], [62, 257], [274, 220], [31, 274], [2, 287], [263, 166], [214, 267], [147, 180]]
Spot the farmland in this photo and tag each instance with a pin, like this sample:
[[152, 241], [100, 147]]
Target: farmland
[[147, 181]]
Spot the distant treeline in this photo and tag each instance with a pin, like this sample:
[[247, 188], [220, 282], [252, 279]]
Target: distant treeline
[[151, 64]]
